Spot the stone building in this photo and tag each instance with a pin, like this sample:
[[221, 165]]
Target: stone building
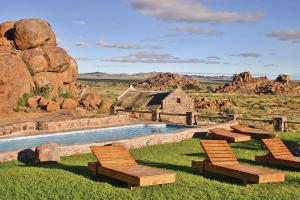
[[175, 101]]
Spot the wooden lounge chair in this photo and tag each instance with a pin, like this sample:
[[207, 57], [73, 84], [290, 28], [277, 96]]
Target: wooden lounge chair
[[221, 160], [254, 133], [278, 154], [229, 136], [116, 162]]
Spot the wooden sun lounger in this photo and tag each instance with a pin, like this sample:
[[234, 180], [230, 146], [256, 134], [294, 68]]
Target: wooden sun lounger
[[221, 160], [278, 154], [229, 136], [116, 162], [254, 133]]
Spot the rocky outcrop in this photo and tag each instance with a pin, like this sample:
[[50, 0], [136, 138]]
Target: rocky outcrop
[[244, 83], [204, 103], [165, 80], [30, 59]]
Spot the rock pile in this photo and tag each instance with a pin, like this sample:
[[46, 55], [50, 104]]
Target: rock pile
[[30, 58], [165, 80], [244, 83], [204, 103]]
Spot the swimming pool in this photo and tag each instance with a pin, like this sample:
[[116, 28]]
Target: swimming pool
[[87, 136]]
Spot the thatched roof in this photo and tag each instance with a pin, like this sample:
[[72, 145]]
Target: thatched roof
[[139, 99]]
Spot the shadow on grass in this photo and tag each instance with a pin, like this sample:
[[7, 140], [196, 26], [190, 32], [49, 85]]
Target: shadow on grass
[[202, 155], [192, 171], [77, 170], [252, 145], [168, 166]]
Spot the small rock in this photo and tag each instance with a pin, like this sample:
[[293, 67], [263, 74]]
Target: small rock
[[48, 152], [52, 106], [32, 103], [69, 104]]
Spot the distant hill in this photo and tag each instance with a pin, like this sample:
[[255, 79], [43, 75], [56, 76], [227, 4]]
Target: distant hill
[[143, 76]]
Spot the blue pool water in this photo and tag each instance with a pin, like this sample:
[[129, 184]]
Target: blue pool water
[[87, 136]]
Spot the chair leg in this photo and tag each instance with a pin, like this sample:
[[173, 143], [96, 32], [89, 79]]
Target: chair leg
[[130, 186], [245, 182]]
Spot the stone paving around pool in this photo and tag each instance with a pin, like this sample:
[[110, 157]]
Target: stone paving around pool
[[137, 142]]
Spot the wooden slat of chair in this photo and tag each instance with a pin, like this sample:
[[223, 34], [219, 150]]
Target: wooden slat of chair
[[116, 162], [229, 166], [218, 151], [277, 148], [229, 136], [113, 156], [255, 133]]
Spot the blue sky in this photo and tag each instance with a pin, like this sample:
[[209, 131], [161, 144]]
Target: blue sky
[[201, 36]]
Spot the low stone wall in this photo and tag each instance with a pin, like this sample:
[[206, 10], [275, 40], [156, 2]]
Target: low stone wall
[[81, 123], [62, 125], [26, 126], [137, 142]]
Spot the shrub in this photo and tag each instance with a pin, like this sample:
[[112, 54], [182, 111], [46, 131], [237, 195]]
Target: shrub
[[23, 99], [65, 95], [17, 109], [42, 91], [191, 86], [210, 88], [230, 111]]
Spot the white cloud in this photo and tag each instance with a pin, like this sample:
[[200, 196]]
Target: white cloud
[[199, 31], [106, 44], [213, 58], [247, 55], [80, 44], [80, 22], [146, 57], [289, 35], [191, 11]]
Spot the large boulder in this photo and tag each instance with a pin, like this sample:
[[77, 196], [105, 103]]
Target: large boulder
[[48, 152], [35, 60], [4, 42], [6, 30], [51, 79], [58, 58], [91, 101], [15, 80], [70, 75], [30, 33]]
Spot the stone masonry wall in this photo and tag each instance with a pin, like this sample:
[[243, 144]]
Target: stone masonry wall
[[27, 126], [62, 125], [177, 102]]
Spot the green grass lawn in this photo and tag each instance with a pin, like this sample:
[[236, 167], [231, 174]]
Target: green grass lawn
[[70, 179]]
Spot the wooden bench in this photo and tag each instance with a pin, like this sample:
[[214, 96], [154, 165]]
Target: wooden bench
[[229, 136], [278, 154], [116, 162], [254, 133], [221, 160]]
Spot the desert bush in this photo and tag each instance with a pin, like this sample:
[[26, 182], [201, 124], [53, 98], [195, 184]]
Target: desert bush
[[65, 95], [42, 91], [191, 87], [23, 99], [230, 111]]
